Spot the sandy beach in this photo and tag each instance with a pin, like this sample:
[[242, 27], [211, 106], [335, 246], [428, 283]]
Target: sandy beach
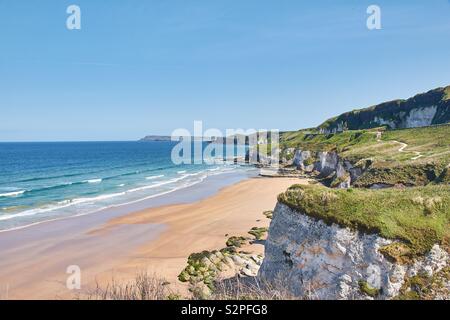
[[157, 240]]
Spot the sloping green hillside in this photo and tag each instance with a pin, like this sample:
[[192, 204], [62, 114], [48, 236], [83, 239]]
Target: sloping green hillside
[[432, 107], [412, 157], [416, 145]]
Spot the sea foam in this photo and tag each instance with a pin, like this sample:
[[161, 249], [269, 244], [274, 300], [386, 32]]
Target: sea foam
[[154, 177], [93, 181], [12, 193]]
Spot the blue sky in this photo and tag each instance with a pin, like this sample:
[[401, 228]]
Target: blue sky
[[149, 67]]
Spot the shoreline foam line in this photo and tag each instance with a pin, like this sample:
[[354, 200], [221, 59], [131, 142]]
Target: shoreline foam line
[[69, 203]]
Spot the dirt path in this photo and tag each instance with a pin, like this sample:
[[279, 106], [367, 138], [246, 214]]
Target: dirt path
[[402, 146], [402, 149]]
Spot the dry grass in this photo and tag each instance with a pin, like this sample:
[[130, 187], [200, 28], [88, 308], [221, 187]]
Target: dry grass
[[250, 289], [328, 197], [143, 287], [151, 287], [430, 204]]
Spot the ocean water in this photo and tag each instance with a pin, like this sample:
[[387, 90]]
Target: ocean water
[[46, 181]]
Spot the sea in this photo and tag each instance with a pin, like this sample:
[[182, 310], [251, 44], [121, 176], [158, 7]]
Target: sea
[[44, 181]]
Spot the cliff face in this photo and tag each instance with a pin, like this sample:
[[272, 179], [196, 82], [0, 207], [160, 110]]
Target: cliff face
[[424, 109], [321, 261], [330, 243], [341, 173]]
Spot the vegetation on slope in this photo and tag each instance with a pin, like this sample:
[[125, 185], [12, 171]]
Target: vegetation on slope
[[447, 93], [419, 217], [412, 157], [339, 142], [406, 174], [431, 142], [425, 287], [392, 112]]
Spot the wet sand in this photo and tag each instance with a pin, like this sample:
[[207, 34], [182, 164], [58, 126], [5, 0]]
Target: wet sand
[[157, 240]]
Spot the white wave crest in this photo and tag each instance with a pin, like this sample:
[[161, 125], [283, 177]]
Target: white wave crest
[[93, 181], [67, 203], [59, 205], [12, 193], [154, 177]]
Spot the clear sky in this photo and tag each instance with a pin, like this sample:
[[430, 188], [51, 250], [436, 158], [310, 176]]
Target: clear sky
[[151, 66]]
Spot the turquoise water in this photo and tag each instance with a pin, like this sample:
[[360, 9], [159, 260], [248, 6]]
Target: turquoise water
[[47, 181]]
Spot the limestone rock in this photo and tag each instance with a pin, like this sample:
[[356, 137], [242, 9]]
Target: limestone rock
[[323, 261]]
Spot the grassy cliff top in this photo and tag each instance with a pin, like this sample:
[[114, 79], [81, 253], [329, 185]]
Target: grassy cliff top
[[393, 111], [447, 93], [431, 143], [419, 217]]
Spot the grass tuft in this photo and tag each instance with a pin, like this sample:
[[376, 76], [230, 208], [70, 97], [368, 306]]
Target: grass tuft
[[367, 289], [143, 287], [258, 233], [235, 241]]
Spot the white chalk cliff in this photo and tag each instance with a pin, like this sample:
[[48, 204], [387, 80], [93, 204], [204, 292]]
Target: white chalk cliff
[[321, 261]]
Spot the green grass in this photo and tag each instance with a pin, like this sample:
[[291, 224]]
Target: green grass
[[407, 174], [268, 214], [258, 233], [367, 289], [204, 266], [235, 241], [419, 217], [433, 142], [327, 142], [447, 93], [388, 164], [425, 287]]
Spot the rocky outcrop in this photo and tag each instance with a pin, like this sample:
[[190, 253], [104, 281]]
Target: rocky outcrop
[[288, 156], [328, 162], [416, 117], [340, 172], [300, 158], [205, 268], [420, 117], [321, 261]]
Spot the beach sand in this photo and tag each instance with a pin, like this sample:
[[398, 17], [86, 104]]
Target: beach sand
[[185, 228]]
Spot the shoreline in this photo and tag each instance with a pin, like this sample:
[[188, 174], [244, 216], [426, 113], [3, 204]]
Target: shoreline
[[198, 226], [146, 200], [157, 239]]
